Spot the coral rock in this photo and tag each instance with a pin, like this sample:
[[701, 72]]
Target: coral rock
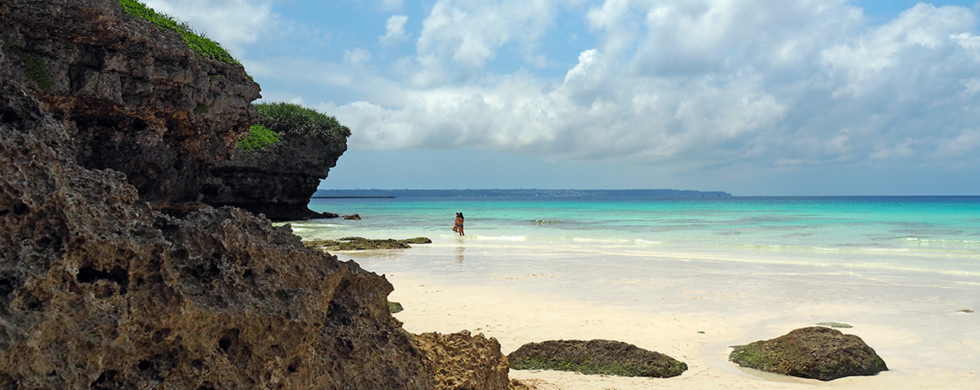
[[277, 181], [814, 352], [131, 94], [99, 290], [595, 357]]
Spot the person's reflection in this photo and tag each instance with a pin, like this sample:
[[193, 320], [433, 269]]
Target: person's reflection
[[459, 254]]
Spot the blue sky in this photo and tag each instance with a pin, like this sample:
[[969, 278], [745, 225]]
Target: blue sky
[[754, 97]]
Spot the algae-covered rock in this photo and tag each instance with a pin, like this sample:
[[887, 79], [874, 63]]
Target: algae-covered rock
[[814, 352], [595, 357], [361, 243]]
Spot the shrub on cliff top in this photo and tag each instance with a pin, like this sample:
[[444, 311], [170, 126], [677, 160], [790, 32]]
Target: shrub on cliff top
[[37, 70], [198, 42], [286, 118], [259, 137]]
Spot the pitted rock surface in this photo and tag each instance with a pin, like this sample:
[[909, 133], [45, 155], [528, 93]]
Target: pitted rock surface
[[134, 98], [99, 290]]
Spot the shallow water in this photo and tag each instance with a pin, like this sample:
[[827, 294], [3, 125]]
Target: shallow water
[[898, 269]]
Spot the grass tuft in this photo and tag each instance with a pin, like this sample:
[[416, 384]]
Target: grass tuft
[[287, 118], [259, 137], [37, 70], [200, 43], [202, 109]]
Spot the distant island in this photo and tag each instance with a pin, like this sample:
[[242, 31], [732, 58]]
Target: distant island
[[519, 193]]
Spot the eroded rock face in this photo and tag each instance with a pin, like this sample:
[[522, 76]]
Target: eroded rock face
[[277, 181], [815, 352], [98, 290], [462, 362], [134, 99]]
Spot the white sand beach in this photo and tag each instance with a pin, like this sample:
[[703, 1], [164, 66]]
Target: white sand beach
[[665, 305]]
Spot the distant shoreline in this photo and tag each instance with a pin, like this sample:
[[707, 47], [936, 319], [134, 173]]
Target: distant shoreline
[[353, 197], [520, 193]]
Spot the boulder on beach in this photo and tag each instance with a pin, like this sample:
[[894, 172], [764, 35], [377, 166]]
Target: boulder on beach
[[353, 217], [815, 352], [595, 357]]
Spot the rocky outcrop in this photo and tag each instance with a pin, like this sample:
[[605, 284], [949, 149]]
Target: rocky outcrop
[[99, 290], [279, 180], [595, 357], [134, 98], [814, 352], [462, 362]]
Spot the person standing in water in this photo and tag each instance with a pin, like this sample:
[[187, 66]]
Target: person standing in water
[[458, 227]]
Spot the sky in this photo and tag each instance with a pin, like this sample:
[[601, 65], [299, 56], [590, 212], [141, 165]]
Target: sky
[[753, 97]]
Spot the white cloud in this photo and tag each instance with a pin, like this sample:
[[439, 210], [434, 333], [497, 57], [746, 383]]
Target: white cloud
[[470, 32], [776, 84], [395, 29], [357, 56], [391, 4], [233, 23]]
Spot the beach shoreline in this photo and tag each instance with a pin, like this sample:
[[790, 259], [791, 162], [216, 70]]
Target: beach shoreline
[[515, 317], [655, 273]]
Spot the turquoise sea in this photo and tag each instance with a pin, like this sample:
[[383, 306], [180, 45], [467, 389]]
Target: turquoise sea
[[894, 267], [929, 235]]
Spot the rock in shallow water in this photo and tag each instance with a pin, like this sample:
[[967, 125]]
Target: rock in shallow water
[[814, 352], [595, 357]]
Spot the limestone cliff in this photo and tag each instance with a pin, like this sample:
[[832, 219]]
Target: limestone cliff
[[100, 290], [135, 99], [279, 179]]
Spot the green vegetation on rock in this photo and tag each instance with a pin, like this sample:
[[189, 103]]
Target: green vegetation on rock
[[395, 307], [287, 118], [259, 137], [198, 42], [595, 357], [37, 70], [202, 109]]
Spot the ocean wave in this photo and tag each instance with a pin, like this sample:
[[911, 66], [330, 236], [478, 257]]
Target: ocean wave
[[639, 241], [501, 238], [765, 246], [884, 249], [602, 240], [940, 241], [308, 225]]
